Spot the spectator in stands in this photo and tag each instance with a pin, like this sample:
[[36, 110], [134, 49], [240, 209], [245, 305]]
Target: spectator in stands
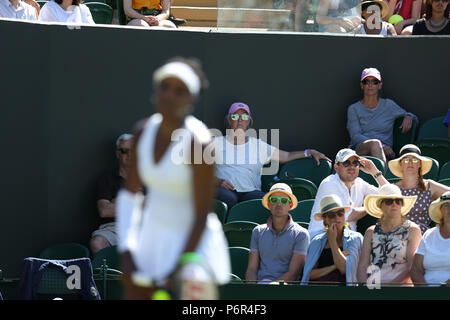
[[35, 5], [238, 175], [373, 12], [370, 121], [333, 255], [447, 122], [388, 247], [435, 20], [17, 9], [346, 184], [278, 248], [409, 10], [107, 187], [148, 13], [338, 16], [432, 259], [66, 11], [411, 167]]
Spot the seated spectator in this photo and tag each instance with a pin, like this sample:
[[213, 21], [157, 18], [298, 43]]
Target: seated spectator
[[432, 259], [35, 5], [17, 9], [148, 13], [107, 188], [411, 167], [388, 247], [447, 121], [373, 12], [435, 20], [66, 11], [278, 248], [238, 175], [370, 121], [333, 255], [346, 184], [409, 10], [338, 16]]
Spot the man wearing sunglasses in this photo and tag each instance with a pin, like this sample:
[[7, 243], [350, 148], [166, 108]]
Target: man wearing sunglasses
[[370, 121], [346, 184], [107, 187], [278, 248]]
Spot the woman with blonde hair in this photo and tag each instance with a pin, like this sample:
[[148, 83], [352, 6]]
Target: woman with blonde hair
[[411, 166]]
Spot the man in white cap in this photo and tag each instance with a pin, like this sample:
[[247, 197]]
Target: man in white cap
[[370, 121], [346, 184], [278, 248]]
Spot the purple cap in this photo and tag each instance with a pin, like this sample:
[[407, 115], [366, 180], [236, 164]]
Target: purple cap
[[371, 72], [238, 105]]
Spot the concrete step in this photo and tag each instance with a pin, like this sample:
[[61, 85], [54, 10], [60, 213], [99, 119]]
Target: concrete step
[[194, 3]]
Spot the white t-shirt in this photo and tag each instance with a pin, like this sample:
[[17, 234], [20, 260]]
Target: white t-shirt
[[334, 185], [436, 256], [23, 11], [242, 164], [53, 12]]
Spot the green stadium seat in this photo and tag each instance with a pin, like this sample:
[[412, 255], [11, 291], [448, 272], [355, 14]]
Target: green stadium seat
[[221, 209], [444, 172], [306, 168], [101, 12], [389, 174], [41, 2], [400, 139], [445, 182], [239, 233], [394, 180], [65, 251], [433, 174], [239, 261], [234, 277], [433, 129], [365, 222], [367, 177], [110, 254], [250, 210], [303, 189], [87, 1], [303, 224], [121, 12], [302, 214], [438, 149]]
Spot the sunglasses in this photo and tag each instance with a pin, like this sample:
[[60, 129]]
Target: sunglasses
[[332, 214], [354, 163], [389, 202], [282, 200], [124, 150], [412, 159], [370, 81], [235, 116]]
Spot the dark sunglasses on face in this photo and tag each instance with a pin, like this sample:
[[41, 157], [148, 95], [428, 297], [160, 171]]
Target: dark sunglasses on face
[[371, 81], [124, 150], [389, 202], [235, 116], [332, 214], [354, 163], [282, 200]]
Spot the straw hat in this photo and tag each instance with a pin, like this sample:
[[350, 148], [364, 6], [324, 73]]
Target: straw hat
[[410, 150], [280, 187], [384, 7], [328, 203], [372, 202], [435, 211]]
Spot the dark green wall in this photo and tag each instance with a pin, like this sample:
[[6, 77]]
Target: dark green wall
[[67, 94]]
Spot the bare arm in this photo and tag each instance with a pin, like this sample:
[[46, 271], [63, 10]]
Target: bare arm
[[130, 12], [437, 189], [165, 13], [286, 156], [364, 258], [415, 15], [417, 270], [317, 273], [106, 208], [296, 264], [357, 213], [253, 266]]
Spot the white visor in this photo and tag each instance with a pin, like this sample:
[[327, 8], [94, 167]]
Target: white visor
[[181, 71]]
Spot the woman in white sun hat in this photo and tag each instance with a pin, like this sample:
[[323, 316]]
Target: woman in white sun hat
[[388, 247], [334, 254], [432, 259], [411, 166]]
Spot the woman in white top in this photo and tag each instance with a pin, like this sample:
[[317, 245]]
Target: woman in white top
[[66, 11], [373, 12], [174, 228], [432, 259]]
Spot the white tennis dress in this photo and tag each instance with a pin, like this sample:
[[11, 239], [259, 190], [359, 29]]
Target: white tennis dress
[[168, 214]]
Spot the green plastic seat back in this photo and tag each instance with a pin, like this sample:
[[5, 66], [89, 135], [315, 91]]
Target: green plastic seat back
[[438, 149], [101, 12], [239, 261], [306, 168], [367, 177], [302, 188], [41, 2], [433, 129], [365, 222], [110, 254], [121, 12], [220, 208], [250, 210], [399, 138], [303, 211], [444, 172], [65, 251], [239, 233], [445, 182]]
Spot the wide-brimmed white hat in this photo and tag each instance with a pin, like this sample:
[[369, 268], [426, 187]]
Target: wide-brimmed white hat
[[410, 150], [435, 211], [328, 203], [384, 8], [280, 187], [372, 202]]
